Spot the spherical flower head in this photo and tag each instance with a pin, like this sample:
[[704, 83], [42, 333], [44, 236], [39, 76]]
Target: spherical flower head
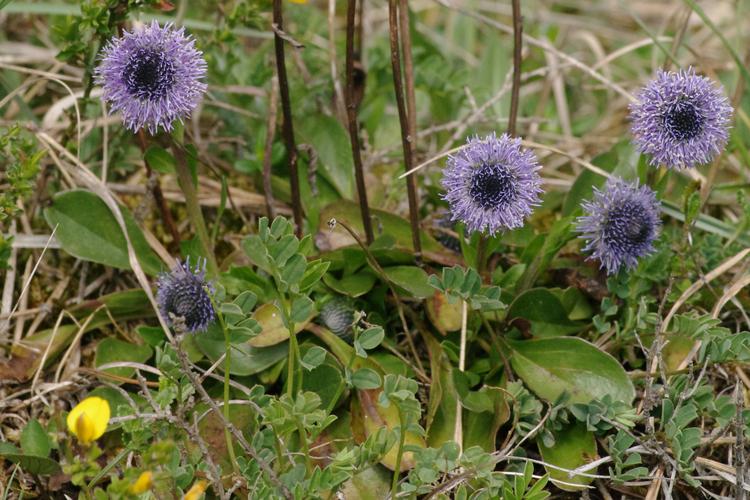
[[680, 119], [88, 420], [184, 294], [153, 76], [492, 184], [338, 316], [620, 224]]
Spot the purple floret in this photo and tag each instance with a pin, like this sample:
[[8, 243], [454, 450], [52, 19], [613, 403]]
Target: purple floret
[[152, 76], [621, 224], [681, 119], [492, 184], [184, 293]]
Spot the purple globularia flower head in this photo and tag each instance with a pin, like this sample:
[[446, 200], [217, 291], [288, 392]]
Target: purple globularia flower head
[[153, 76], [492, 184], [183, 297], [621, 224], [680, 119]]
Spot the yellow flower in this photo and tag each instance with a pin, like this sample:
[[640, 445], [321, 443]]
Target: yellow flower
[[143, 483], [196, 491], [298, 1], [88, 420]]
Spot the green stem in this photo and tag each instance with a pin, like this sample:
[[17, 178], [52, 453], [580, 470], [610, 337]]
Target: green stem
[[294, 354], [482, 254], [399, 455], [305, 447], [185, 180], [227, 365]]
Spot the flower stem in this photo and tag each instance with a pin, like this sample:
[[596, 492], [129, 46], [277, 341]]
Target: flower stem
[[481, 259], [227, 367], [294, 354], [399, 454], [185, 180], [458, 430]]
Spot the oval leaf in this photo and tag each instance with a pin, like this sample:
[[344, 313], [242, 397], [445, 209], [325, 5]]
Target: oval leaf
[[112, 350], [410, 278], [34, 439], [544, 311], [551, 366], [86, 229], [574, 447]]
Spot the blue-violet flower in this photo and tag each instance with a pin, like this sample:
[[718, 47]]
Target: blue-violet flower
[[153, 76], [680, 119], [620, 224], [492, 184]]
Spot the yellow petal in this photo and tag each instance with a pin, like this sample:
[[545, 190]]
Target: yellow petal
[[142, 484], [298, 1], [196, 491], [88, 420]]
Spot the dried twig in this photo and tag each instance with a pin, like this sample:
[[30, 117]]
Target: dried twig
[[351, 116], [286, 109], [404, 120]]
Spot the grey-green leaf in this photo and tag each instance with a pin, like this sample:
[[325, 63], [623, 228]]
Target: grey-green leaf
[[86, 229]]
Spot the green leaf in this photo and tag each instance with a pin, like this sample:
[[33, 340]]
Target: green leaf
[[111, 350], [152, 335], [331, 142], [353, 285], [245, 359], [544, 311], [255, 249], [326, 380], [302, 309], [313, 273], [86, 229], [34, 439], [32, 464], [313, 358], [539, 258], [159, 159], [232, 312], [552, 366], [371, 338], [246, 301], [370, 484], [365, 378], [574, 447], [410, 278], [292, 272]]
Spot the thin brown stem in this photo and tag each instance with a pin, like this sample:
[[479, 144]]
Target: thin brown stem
[[351, 118], [517, 47], [419, 369], [406, 139], [286, 108], [411, 104], [273, 98]]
